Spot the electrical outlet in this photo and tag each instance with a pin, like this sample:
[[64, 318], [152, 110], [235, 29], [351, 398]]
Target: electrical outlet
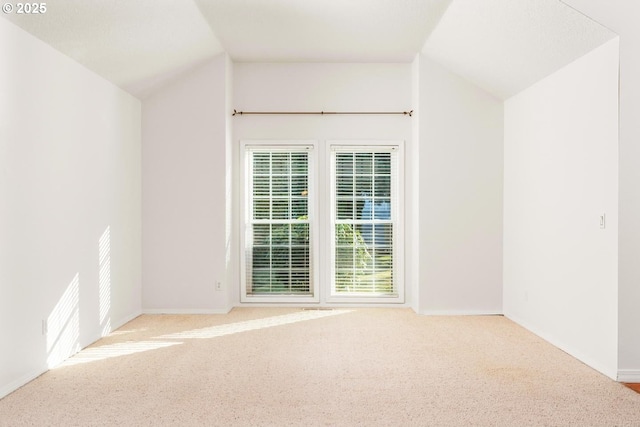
[[603, 221], [218, 285], [45, 327]]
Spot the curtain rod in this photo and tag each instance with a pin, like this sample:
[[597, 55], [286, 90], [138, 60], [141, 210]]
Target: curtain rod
[[244, 113]]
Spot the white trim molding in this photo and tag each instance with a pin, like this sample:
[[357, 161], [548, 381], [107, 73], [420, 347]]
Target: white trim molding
[[23, 380], [186, 311], [123, 321], [461, 312], [628, 375], [575, 353]]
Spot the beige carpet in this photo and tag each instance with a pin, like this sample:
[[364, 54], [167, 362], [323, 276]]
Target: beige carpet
[[292, 367]]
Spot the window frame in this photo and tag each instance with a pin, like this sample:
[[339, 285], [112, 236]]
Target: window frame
[[397, 187], [310, 146]]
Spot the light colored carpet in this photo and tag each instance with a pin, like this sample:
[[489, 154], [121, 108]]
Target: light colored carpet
[[292, 367]]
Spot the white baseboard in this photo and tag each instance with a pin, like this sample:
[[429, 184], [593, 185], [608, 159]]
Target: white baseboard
[[334, 304], [120, 323], [461, 312], [587, 360], [629, 375], [14, 385], [115, 324], [186, 311]]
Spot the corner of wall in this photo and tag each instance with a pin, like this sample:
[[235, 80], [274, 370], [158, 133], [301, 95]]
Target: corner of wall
[[461, 139], [561, 174], [69, 203], [412, 257], [231, 193], [186, 137]]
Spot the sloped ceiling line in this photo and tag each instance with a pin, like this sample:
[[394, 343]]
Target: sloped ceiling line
[[502, 46]]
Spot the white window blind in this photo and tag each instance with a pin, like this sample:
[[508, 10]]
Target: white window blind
[[364, 217], [278, 238]]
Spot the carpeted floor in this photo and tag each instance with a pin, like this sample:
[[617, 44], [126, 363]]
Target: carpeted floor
[[293, 367]]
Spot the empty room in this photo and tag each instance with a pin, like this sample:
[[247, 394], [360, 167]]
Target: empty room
[[320, 212]]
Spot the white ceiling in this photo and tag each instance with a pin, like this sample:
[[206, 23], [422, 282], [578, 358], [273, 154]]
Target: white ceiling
[[323, 30], [501, 45], [504, 46], [136, 44]]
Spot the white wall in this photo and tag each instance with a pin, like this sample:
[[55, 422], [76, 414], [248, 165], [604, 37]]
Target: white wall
[[461, 165], [184, 203], [561, 170], [232, 199], [622, 17], [69, 207], [412, 191], [324, 87]]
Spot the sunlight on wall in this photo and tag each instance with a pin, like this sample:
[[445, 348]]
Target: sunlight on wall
[[63, 325], [251, 325], [95, 354], [104, 280]]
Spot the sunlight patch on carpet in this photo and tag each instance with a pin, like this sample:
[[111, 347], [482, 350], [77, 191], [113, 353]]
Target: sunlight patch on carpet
[[127, 331], [94, 354], [252, 325]]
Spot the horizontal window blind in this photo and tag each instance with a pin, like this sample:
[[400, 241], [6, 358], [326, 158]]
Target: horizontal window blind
[[364, 181], [278, 234]]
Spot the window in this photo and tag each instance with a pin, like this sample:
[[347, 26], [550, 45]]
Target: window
[[351, 240], [278, 238], [365, 226]]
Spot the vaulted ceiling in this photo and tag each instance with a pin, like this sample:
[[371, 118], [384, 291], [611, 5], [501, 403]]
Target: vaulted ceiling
[[502, 46]]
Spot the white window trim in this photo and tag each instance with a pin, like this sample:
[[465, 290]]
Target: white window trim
[[398, 244], [312, 146]]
